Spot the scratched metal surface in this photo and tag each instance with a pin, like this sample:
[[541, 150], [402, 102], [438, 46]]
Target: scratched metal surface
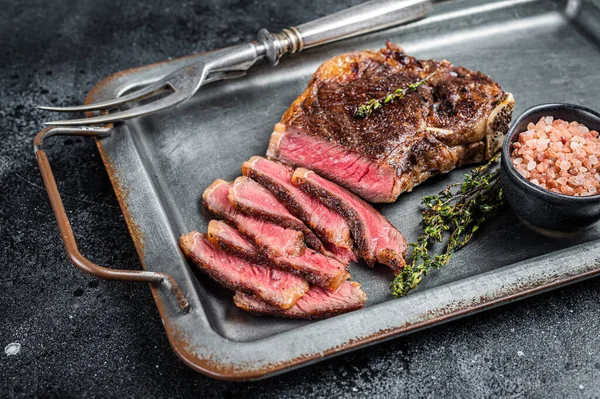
[[541, 51]]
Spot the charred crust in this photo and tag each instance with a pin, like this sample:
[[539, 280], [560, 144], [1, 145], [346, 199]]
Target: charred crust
[[255, 258], [268, 217], [336, 204], [289, 201], [311, 239]]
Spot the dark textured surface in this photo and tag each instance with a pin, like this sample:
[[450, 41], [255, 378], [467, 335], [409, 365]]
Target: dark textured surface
[[81, 337]]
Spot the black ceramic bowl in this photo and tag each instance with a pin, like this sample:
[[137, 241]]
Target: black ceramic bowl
[[538, 206]]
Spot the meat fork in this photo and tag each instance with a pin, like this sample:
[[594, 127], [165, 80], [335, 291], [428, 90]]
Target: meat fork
[[233, 62]]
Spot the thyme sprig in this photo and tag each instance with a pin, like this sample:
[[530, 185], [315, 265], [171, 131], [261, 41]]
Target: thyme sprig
[[374, 104], [456, 213]]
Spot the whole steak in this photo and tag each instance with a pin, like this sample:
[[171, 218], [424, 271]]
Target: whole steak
[[457, 117]]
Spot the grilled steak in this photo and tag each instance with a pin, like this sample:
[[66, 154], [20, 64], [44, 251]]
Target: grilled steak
[[315, 304], [375, 238], [252, 199], [316, 268], [458, 116], [278, 289], [270, 238], [329, 225]]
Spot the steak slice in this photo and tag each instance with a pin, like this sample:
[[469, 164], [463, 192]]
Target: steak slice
[[315, 304], [270, 238], [457, 117], [329, 225], [252, 199], [230, 240], [375, 238], [278, 289], [314, 267]]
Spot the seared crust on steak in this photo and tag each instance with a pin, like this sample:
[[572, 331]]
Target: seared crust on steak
[[377, 241], [314, 267], [327, 224], [457, 117], [250, 198], [272, 239]]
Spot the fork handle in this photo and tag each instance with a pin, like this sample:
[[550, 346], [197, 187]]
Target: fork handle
[[366, 17]]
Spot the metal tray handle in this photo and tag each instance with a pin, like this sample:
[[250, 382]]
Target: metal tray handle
[[65, 227]]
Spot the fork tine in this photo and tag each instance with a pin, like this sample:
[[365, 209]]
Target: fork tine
[[140, 94], [172, 99], [165, 102]]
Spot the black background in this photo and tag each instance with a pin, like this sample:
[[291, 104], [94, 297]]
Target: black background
[[82, 337]]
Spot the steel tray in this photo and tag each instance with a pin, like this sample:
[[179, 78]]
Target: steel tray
[[541, 51]]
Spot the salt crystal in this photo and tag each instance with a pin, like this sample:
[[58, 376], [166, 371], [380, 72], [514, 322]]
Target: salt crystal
[[542, 144], [531, 165], [548, 119], [531, 143]]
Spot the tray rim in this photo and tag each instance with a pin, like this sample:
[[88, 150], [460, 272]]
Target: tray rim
[[177, 338]]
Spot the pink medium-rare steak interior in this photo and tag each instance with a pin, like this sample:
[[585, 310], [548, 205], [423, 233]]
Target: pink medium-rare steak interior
[[270, 238], [373, 182], [457, 116], [329, 225], [375, 237], [274, 287], [314, 267], [252, 199], [318, 303]]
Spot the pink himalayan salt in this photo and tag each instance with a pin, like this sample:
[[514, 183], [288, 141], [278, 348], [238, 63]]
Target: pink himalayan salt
[[563, 157]]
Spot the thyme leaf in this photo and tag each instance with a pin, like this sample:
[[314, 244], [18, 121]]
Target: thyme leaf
[[455, 213], [374, 104]]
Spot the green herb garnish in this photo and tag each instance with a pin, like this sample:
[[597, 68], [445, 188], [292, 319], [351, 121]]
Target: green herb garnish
[[373, 104], [456, 212]]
